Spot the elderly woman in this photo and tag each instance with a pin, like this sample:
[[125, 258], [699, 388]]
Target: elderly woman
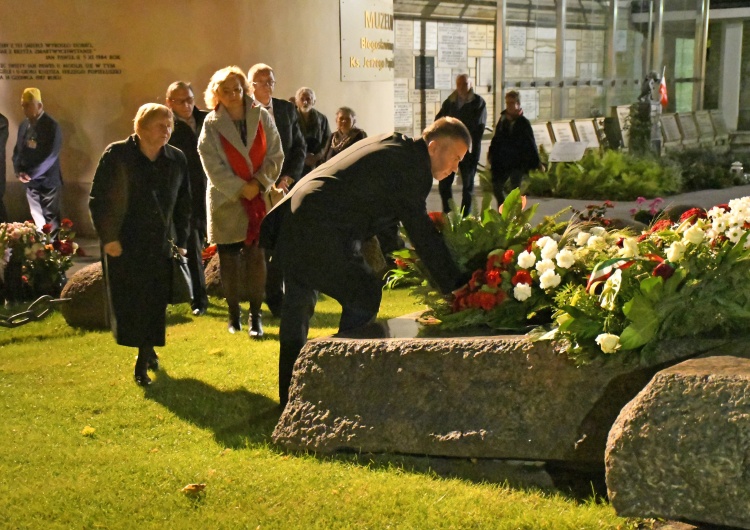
[[314, 127], [346, 133], [140, 198], [241, 153]]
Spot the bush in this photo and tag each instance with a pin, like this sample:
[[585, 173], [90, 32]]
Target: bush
[[705, 168], [610, 176]]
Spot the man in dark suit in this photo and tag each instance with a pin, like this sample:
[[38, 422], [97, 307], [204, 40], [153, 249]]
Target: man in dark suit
[[187, 127], [3, 142], [471, 109], [36, 160], [318, 229], [294, 147]]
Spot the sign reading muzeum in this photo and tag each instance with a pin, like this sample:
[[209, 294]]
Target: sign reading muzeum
[[366, 40]]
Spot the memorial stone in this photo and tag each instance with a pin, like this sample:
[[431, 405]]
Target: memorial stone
[[586, 131], [688, 129]]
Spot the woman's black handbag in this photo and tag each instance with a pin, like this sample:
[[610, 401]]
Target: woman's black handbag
[[182, 285]]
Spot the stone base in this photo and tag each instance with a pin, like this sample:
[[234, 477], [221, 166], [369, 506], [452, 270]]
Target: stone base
[[680, 449], [495, 398]]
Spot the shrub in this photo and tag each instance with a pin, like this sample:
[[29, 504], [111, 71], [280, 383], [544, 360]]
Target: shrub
[[704, 168]]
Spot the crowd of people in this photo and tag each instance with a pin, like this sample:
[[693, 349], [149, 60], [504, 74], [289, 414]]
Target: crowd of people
[[288, 203]]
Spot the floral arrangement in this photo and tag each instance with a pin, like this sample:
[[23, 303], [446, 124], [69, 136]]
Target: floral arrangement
[[39, 257], [599, 292]]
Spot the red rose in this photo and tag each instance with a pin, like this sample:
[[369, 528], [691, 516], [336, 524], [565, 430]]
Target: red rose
[[521, 276], [47, 228], [66, 223], [664, 269], [487, 301], [493, 278], [65, 248], [508, 256]]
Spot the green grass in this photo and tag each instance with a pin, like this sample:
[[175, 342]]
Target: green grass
[[208, 418]]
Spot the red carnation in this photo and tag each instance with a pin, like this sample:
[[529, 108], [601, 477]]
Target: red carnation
[[476, 279], [724, 206], [47, 228], [487, 300], [664, 269], [438, 219], [494, 261], [500, 296], [493, 278], [521, 276], [693, 214], [508, 256], [532, 240]]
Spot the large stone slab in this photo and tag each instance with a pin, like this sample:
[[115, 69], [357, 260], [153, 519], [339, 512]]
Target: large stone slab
[[681, 448], [499, 397]]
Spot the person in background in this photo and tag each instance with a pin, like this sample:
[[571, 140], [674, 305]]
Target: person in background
[[513, 151], [345, 135], [471, 109], [36, 160], [317, 230], [314, 127], [293, 144], [4, 132], [139, 199], [187, 127], [241, 153]]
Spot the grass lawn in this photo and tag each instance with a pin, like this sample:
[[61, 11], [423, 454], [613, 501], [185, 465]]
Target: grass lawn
[[82, 446]]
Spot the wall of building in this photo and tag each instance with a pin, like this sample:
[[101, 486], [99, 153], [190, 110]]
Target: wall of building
[[140, 46]]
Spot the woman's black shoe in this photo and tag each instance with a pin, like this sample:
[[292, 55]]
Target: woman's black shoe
[[142, 379], [256, 326], [234, 326], [153, 362]]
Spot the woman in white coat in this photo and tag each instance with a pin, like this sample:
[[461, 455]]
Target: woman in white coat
[[241, 153]]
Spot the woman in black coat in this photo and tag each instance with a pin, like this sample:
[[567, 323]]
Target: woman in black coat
[[140, 199]]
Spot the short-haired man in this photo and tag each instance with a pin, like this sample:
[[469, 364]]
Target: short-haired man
[[513, 151], [471, 109], [36, 160], [187, 127], [293, 144], [318, 228], [4, 132]]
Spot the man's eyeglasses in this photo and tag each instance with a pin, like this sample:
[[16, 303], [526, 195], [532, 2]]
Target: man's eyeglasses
[[188, 101], [269, 84]]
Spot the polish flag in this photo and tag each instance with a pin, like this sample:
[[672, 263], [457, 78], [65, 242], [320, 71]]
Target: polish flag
[[663, 89]]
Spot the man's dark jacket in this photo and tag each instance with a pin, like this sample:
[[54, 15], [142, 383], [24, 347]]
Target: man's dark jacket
[[473, 114], [292, 141], [42, 164], [184, 139], [513, 146], [371, 185]]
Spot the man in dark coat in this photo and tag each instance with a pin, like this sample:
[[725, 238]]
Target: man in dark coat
[[36, 160], [3, 142], [187, 127], [471, 109], [293, 144], [513, 151], [319, 227], [140, 199]]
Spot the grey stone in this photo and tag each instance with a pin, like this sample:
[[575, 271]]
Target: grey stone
[[681, 448], [501, 397], [87, 307]]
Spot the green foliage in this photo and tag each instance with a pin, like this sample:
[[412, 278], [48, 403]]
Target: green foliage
[[208, 418], [705, 168], [612, 175]]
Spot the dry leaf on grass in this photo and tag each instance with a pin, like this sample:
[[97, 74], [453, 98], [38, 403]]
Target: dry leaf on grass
[[193, 489]]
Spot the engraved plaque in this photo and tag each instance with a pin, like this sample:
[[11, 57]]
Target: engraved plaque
[[720, 126], [705, 127], [542, 136], [563, 131], [587, 133], [687, 127], [669, 128]]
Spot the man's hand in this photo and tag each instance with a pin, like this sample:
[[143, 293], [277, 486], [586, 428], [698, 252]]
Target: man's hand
[[311, 159], [284, 183], [250, 190], [182, 251], [113, 248], [23, 177]]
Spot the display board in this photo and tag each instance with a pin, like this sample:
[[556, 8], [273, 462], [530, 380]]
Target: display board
[[586, 132], [563, 131], [688, 128], [622, 113], [564, 151], [705, 127], [720, 126], [542, 135], [670, 130]]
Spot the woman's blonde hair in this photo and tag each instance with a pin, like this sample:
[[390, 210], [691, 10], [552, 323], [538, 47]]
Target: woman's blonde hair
[[211, 95], [149, 112]]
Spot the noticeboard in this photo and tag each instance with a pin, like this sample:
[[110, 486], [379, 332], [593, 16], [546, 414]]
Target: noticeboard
[[563, 131], [705, 127], [586, 131], [542, 135], [687, 127], [670, 129]]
